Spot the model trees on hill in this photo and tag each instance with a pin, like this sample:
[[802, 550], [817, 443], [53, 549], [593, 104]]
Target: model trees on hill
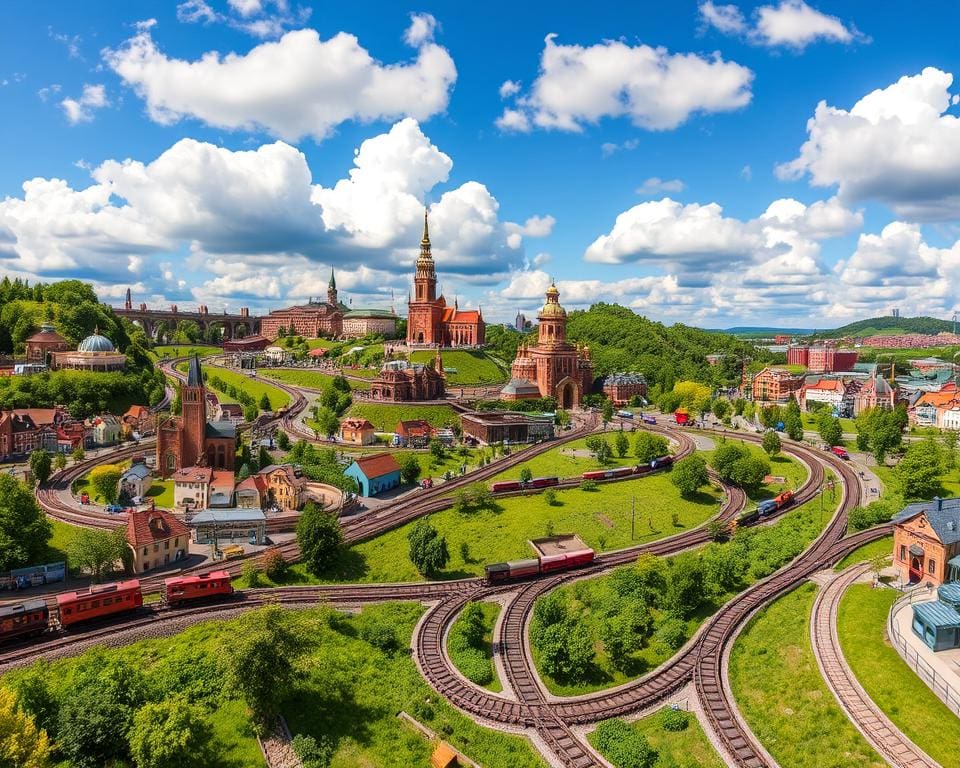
[[320, 538], [689, 475], [409, 468], [880, 431], [771, 443], [736, 464], [24, 530], [428, 549], [97, 551], [171, 734], [648, 446], [23, 743], [105, 480], [793, 421]]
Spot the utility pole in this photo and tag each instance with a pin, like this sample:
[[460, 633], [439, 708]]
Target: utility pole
[[633, 516]]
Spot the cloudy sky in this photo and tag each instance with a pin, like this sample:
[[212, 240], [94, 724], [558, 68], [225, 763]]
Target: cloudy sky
[[716, 164]]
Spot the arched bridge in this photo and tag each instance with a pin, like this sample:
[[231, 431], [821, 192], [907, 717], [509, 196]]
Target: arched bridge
[[151, 319]]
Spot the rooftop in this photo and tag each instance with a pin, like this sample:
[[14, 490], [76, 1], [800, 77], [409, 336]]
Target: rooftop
[[153, 525], [377, 465], [234, 515], [558, 545], [942, 514], [937, 614]]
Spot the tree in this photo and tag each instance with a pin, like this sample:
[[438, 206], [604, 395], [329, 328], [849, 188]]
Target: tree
[[749, 472], [606, 411], [22, 744], [264, 459], [41, 463], [651, 578], [437, 450], [24, 531], [721, 408], [725, 456], [526, 475], [599, 447], [170, 734], [648, 446], [771, 443], [562, 417], [624, 746], [250, 412], [320, 538], [260, 662], [550, 497], [265, 402], [313, 753], [880, 431], [283, 441], [428, 549], [409, 468], [105, 480], [950, 450], [793, 421], [684, 585], [622, 443], [472, 624], [60, 461], [96, 550], [689, 475], [829, 428], [78, 453], [918, 472], [566, 650]]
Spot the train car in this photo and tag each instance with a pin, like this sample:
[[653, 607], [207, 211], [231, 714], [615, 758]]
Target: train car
[[840, 451], [189, 588], [778, 502], [625, 414], [766, 506], [661, 461], [648, 419], [520, 569], [750, 516], [566, 561], [497, 572], [594, 474], [25, 619], [543, 482], [681, 417], [99, 600], [506, 485], [784, 499]]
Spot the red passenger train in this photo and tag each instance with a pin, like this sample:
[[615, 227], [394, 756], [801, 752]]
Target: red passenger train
[[185, 589], [99, 600], [497, 573]]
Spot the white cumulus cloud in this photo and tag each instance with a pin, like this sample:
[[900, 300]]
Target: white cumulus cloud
[[792, 24], [296, 86], [656, 89], [657, 186], [421, 29], [80, 110]]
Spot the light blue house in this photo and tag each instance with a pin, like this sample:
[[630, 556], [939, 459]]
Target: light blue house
[[375, 474]]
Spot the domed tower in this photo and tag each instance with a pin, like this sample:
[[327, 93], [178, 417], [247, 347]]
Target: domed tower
[[553, 319]]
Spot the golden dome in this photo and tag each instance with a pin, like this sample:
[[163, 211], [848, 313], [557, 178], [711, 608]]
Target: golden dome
[[552, 309]]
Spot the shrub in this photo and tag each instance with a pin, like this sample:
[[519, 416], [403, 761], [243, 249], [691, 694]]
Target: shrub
[[550, 496], [381, 636], [251, 574], [623, 746], [589, 485], [674, 719], [672, 633], [273, 563], [475, 666]]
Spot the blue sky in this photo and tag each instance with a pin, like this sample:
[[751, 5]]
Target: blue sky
[[669, 157]]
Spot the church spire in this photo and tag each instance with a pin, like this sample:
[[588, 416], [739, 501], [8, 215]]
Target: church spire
[[426, 230], [332, 290], [332, 285]]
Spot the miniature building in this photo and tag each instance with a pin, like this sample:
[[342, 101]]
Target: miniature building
[[215, 525], [191, 487], [190, 440], [401, 382], [24, 430], [358, 323], [222, 484], [42, 345], [256, 343], [414, 433], [833, 392], [285, 486], [252, 492], [823, 358], [430, 321], [506, 427], [937, 622], [139, 419], [926, 540], [775, 385], [622, 387], [136, 481], [375, 474], [106, 429], [875, 393], [95, 353], [557, 368], [357, 432], [157, 538]]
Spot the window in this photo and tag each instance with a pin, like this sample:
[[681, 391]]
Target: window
[[145, 552], [931, 567], [166, 544], [903, 552]]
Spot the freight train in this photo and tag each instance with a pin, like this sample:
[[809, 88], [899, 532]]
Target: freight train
[[519, 485], [766, 508], [660, 462], [35, 617], [497, 573]]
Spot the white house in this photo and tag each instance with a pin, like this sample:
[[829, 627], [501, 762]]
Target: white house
[[191, 487], [136, 481], [829, 391]]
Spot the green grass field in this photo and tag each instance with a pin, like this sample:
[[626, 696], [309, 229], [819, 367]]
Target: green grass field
[[490, 613], [306, 378], [465, 367], [363, 373], [587, 601], [569, 460], [779, 689], [60, 541], [254, 385], [689, 748], [185, 350], [321, 343], [347, 690], [810, 422], [161, 492], [867, 552], [893, 686], [384, 417]]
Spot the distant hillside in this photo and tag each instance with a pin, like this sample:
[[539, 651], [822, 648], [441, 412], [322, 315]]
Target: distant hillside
[[764, 331], [621, 340], [876, 326]]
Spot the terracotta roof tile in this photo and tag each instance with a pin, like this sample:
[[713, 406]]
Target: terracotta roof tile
[[377, 465], [152, 526]]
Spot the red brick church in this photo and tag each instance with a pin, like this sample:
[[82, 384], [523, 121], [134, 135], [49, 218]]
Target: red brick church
[[553, 367], [430, 322], [189, 439]]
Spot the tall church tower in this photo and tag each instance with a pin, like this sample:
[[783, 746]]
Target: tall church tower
[[193, 402], [553, 319], [332, 290], [425, 281]]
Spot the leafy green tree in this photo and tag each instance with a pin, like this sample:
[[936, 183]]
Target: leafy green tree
[[623, 746], [96, 551], [437, 450], [409, 468], [600, 448], [648, 446], [771, 443], [622, 443], [283, 440], [250, 413], [428, 549], [36, 697], [260, 662], [313, 753], [793, 421], [949, 450], [721, 408], [472, 625], [880, 431], [526, 475], [24, 531], [41, 464], [689, 475], [829, 428], [60, 461], [651, 573], [105, 481], [78, 453], [566, 651], [327, 422], [919, 471], [22, 743], [562, 417], [749, 472], [171, 734], [550, 497], [684, 585], [606, 411], [877, 512], [320, 538], [265, 402], [725, 456]]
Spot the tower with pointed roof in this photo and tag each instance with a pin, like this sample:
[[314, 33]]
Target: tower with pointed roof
[[332, 290]]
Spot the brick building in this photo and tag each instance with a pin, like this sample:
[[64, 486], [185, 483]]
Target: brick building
[[774, 385], [357, 432], [42, 345], [400, 381], [926, 540], [506, 427], [23, 430], [875, 393], [823, 358], [621, 387], [833, 392], [430, 322], [157, 538], [557, 368], [189, 439]]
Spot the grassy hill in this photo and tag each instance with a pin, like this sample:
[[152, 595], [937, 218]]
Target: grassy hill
[[882, 326], [465, 367]]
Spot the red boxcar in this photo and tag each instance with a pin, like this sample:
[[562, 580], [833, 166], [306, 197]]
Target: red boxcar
[[185, 588], [521, 568], [595, 474], [566, 560], [506, 485], [102, 600], [543, 482], [29, 618]]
